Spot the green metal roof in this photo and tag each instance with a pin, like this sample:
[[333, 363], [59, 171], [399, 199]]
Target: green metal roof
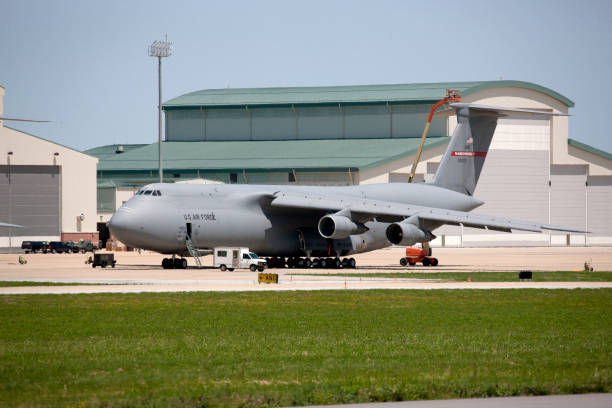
[[589, 149], [358, 94], [108, 151], [313, 155]]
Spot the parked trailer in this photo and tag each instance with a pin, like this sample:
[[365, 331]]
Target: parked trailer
[[230, 258]]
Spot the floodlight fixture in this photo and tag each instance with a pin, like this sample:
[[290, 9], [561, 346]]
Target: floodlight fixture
[[160, 49]]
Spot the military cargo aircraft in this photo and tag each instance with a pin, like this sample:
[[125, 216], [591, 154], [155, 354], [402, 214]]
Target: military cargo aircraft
[[294, 224]]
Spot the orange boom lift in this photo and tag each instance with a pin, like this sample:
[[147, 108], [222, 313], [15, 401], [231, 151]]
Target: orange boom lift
[[452, 95], [414, 255]]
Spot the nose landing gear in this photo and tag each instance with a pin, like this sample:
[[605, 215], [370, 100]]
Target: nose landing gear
[[174, 263]]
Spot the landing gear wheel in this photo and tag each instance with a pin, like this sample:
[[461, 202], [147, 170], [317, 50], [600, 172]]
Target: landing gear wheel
[[253, 268], [352, 263], [426, 262], [183, 264], [231, 269], [223, 268], [337, 263], [308, 263], [345, 263], [404, 261], [323, 263], [434, 261]]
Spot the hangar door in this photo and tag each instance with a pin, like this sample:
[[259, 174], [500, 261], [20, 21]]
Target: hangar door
[[599, 216], [30, 196], [514, 181]]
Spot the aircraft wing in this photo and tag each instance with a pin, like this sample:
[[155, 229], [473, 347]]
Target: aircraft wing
[[363, 210], [4, 224]]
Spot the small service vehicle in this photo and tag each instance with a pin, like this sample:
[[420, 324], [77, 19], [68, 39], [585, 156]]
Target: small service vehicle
[[414, 255], [103, 260], [60, 247], [83, 246], [35, 246], [230, 258]]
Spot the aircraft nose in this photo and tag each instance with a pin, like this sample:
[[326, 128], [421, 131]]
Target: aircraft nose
[[122, 226]]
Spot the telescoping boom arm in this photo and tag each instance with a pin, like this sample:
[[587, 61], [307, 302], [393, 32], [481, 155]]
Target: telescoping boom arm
[[452, 95]]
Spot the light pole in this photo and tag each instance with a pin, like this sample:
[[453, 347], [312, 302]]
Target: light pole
[[10, 203], [160, 49]]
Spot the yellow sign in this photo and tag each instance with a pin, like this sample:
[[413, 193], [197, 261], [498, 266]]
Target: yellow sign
[[267, 277]]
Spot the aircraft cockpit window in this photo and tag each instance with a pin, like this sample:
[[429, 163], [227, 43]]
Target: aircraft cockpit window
[[148, 192]]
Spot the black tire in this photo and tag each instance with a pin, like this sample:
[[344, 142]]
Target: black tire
[[426, 262], [223, 268], [103, 264], [323, 263], [352, 263], [337, 263], [27, 252], [183, 264], [113, 265], [434, 261], [93, 265], [404, 261], [253, 268], [231, 269], [260, 269], [308, 263]]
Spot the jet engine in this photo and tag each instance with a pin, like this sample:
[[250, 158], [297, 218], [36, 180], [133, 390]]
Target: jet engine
[[406, 234], [338, 227]]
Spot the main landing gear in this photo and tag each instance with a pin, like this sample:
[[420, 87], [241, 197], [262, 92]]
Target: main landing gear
[[322, 263], [174, 263]]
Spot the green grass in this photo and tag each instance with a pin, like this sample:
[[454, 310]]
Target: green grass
[[488, 276], [295, 348]]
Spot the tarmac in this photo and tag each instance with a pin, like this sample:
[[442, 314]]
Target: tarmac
[[140, 272], [548, 401]]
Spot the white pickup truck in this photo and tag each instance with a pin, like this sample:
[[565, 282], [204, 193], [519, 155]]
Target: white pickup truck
[[230, 258]]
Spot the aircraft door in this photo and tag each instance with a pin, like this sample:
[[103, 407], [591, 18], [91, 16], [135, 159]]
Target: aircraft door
[[188, 226], [235, 259]]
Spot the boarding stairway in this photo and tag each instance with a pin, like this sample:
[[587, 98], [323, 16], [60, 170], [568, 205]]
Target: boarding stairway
[[193, 251]]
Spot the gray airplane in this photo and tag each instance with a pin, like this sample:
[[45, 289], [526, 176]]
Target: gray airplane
[[302, 222]]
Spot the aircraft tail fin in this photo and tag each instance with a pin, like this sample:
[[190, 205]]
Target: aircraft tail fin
[[467, 150]]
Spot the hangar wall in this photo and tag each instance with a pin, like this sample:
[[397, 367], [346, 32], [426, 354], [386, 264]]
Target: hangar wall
[[34, 176], [299, 123]]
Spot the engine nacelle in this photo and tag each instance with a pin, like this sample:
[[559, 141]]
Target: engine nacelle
[[339, 227], [407, 234]]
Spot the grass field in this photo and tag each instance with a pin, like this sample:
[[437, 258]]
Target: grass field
[[488, 276], [295, 348]]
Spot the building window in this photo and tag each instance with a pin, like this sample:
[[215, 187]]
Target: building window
[[233, 178], [176, 175], [291, 177]]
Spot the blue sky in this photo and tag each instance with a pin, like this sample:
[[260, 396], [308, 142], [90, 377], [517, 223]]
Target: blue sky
[[84, 64]]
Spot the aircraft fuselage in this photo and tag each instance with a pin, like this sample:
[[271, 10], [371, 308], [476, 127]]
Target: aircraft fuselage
[[241, 215]]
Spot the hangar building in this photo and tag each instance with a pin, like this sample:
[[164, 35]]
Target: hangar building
[[369, 134], [47, 188]]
